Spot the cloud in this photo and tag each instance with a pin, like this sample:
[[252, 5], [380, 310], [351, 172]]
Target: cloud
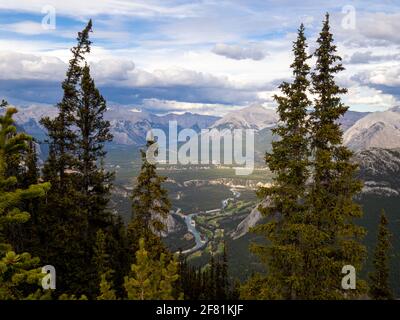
[[15, 66], [120, 81], [383, 75], [369, 57], [179, 54], [74, 8], [383, 27], [166, 106], [372, 29], [364, 98], [236, 52], [26, 28], [112, 69]]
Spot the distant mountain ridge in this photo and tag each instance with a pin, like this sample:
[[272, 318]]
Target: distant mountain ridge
[[253, 117], [129, 126], [375, 130]]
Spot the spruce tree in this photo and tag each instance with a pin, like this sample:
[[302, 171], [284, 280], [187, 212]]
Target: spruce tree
[[77, 207], [150, 208], [59, 130], [379, 287], [19, 273], [151, 278], [106, 290], [63, 223], [92, 133], [92, 181], [286, 229], [334, 240]]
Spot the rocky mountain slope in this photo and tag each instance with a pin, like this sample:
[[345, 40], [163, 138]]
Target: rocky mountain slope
[[252, 117], [376, 130], [380, 171], [128, 126]]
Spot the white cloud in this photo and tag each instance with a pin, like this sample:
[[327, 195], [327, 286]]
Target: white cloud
[[112, 69], [27, 66], [90, 8], [26, 27], [363, 98], [382, 75], [166, 106], [250, 51], [369, 57]]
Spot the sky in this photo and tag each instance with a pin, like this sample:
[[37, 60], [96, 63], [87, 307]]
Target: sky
[[207, 57]]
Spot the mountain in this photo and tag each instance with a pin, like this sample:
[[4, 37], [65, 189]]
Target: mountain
[[259, 118], [380, 171], [350, 118], [252, 117], [128, 126], [376, 130]]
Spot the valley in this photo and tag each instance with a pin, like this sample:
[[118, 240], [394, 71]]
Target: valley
[[213, 207]]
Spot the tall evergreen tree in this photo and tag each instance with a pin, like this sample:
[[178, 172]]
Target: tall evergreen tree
[[77, 206], [106, 290], [151, 278], [286, 228], [150, 208], [62, 221], [18, 272], [91, 180], [59, 130], [23, 236], [379, 287], [92, 133], [335, 241]]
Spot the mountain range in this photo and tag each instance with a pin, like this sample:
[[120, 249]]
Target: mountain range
[[375, 130], [362, 130]]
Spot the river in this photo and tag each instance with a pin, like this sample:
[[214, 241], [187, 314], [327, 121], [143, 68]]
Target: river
[[201, 240]]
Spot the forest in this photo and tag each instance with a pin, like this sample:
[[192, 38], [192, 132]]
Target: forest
[[57, 214]]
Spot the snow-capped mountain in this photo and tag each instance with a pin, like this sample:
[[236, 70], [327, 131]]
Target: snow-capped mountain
[[253, 117], [128, 126], [376, 130]]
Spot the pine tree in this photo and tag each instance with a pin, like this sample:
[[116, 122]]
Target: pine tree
[[223, 289], [77, 206], [170, 276], [31, 172], [150, 208], [63, 223], [61, 135], [379, 287], [23, 237], [91, 180], [17, 271], [151, 278], [334, 240], [286, 228], [106, 291], [92, 133]]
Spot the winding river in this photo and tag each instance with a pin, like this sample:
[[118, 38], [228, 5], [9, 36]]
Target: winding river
[[201, 240]]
